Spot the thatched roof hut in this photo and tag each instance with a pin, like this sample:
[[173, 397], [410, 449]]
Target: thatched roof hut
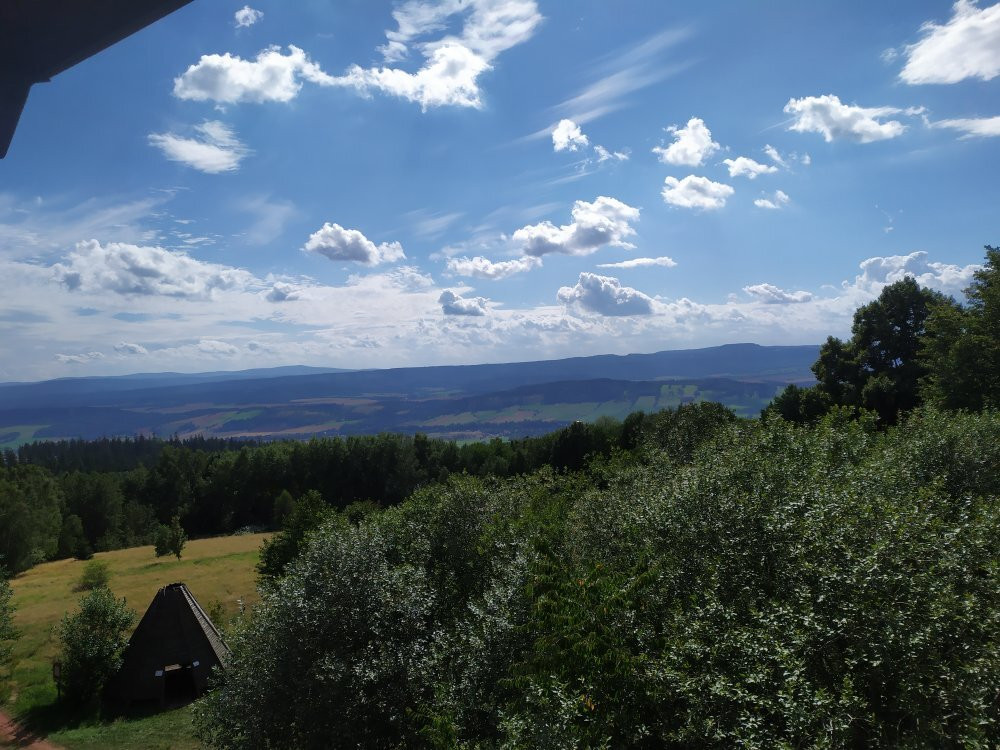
[[171, 652]]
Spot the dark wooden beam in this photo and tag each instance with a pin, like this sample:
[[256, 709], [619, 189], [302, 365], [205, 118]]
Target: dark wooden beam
[[41, 38]]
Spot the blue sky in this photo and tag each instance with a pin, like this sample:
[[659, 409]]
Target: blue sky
[[367, 184]]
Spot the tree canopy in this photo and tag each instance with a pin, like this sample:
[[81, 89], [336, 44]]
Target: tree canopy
[[908, 347], [962, 352]]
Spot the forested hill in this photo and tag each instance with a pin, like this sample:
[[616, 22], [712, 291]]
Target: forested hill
[[458, 402]]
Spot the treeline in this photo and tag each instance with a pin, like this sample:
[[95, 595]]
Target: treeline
[[53, 504], [911, 346], [111, 454]]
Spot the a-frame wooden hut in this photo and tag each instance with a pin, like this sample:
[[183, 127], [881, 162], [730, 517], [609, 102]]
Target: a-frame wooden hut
[[171, 652]]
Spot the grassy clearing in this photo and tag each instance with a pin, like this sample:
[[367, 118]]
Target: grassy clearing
[[216, 570]]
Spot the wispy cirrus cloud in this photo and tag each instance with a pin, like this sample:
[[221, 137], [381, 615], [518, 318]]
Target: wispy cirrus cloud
[[39, 226], [623, 73], [214, 149], [663, 261], [967, 46], [971, 127]]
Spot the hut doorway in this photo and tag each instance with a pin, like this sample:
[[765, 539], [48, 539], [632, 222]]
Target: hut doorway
[[178, 684]]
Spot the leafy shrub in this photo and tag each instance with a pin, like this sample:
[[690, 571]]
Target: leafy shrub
[[95, 574], [93, 640]]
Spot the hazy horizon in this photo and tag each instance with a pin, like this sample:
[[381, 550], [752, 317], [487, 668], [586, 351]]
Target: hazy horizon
[[222, 371]]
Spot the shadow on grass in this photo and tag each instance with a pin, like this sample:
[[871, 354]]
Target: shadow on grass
[[47, 718], [43, 720]]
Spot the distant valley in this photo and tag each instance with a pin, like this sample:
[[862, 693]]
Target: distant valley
[[462, 402]]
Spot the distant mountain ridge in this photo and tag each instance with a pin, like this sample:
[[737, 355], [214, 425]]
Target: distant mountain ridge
[[734, 361], [467, 401]]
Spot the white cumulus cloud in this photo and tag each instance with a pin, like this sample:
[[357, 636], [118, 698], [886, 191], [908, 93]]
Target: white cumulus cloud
[[567, 136], [215, 149], [743, 166], [337, 243], [879, 271], [972, 127], [606, 221], [663, 261], [247, 16], [483, 268], [604, 295], [283, 292], [831, 118], [772, 295], [448, 76], [229, 79], [968, 46], [453, 304], [691, 146], [776, 201], [133, 270], [695, 192]]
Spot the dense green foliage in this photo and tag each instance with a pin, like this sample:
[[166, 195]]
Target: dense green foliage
[[8, 633], [93, 640], [963, 351], [742, 584], [30, 517]]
